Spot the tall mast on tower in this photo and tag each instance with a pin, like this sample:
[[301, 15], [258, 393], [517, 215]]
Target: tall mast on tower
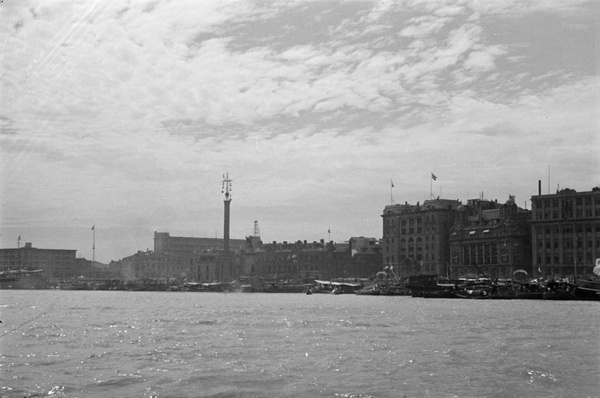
[[226, 189], [256, 229]]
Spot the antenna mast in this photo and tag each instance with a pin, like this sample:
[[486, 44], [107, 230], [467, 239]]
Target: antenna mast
[[226, 189], [256, 230]]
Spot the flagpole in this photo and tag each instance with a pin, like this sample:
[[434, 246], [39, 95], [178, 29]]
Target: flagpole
[[433, 177], [431, 187], [94, 244]]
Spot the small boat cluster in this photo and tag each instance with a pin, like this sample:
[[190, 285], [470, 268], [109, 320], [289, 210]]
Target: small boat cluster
[[426, 286], [485, 289]]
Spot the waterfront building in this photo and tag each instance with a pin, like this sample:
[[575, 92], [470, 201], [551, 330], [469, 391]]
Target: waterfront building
[[360, 257], [215, 267], [298, 260], [145, 265], [187, 246], [366, 259], [202, 267], [57, 263], [565, 230], [489, 239], [416, 237]]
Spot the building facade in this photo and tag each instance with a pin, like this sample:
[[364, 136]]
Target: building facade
[[57, 263], [186, 246], [565, 231], [145, 265], [216, 267], [298, 260], [416, 237], [489, 239], [366, 259], [360, 257]]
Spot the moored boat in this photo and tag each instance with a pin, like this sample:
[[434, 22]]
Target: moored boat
[[587, 289], [556, 290], [530, 290]]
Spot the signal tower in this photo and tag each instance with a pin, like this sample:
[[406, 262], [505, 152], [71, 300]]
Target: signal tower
[[226, 189], [256, 230]]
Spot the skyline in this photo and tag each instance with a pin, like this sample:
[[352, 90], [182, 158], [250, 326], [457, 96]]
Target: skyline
[[125, 115]]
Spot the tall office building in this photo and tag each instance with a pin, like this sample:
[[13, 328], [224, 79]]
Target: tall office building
[[57, 263], [490, 239], [565, 230], [416, 237]]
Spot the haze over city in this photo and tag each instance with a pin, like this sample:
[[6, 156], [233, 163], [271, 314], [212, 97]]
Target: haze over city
[[126, 115]]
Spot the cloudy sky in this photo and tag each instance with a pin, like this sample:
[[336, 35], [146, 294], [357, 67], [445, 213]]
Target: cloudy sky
[[126, 114]]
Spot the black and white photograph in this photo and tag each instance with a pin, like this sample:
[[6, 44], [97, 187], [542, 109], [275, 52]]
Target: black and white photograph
[[299, 198]]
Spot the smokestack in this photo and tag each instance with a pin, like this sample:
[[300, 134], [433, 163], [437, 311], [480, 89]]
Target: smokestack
[[539, 187]]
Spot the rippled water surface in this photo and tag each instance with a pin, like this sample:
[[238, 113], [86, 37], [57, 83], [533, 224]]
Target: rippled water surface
[[173, 344]]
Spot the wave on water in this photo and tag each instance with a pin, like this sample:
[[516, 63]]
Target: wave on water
[[259, 345]]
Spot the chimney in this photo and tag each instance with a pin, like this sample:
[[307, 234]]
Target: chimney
[[539, 187]]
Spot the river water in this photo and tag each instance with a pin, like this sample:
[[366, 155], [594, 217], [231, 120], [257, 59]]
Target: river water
[[175, 344]]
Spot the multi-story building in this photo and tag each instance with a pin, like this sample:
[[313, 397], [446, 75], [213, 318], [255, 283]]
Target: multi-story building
[[490, 239], [565, 229], [150, 265], [187, 246], [360, 257], [216, 267], [197, 266], [299, 260], [366, 258], [57, 263], [416, 237]]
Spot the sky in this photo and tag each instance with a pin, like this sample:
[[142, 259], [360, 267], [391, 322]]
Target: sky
[[125, 115]]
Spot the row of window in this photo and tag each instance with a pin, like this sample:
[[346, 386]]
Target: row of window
[[411, 225], [486, 253], [410, 240], [567, 243], [566, 259], [410, 258], [588, 228], [567, 203], [500, 272], [485, 233], [557, 215]]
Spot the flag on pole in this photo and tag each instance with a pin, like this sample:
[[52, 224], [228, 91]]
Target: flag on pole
[[433, 177], [392, 183], [93, 227], [329, 231]]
